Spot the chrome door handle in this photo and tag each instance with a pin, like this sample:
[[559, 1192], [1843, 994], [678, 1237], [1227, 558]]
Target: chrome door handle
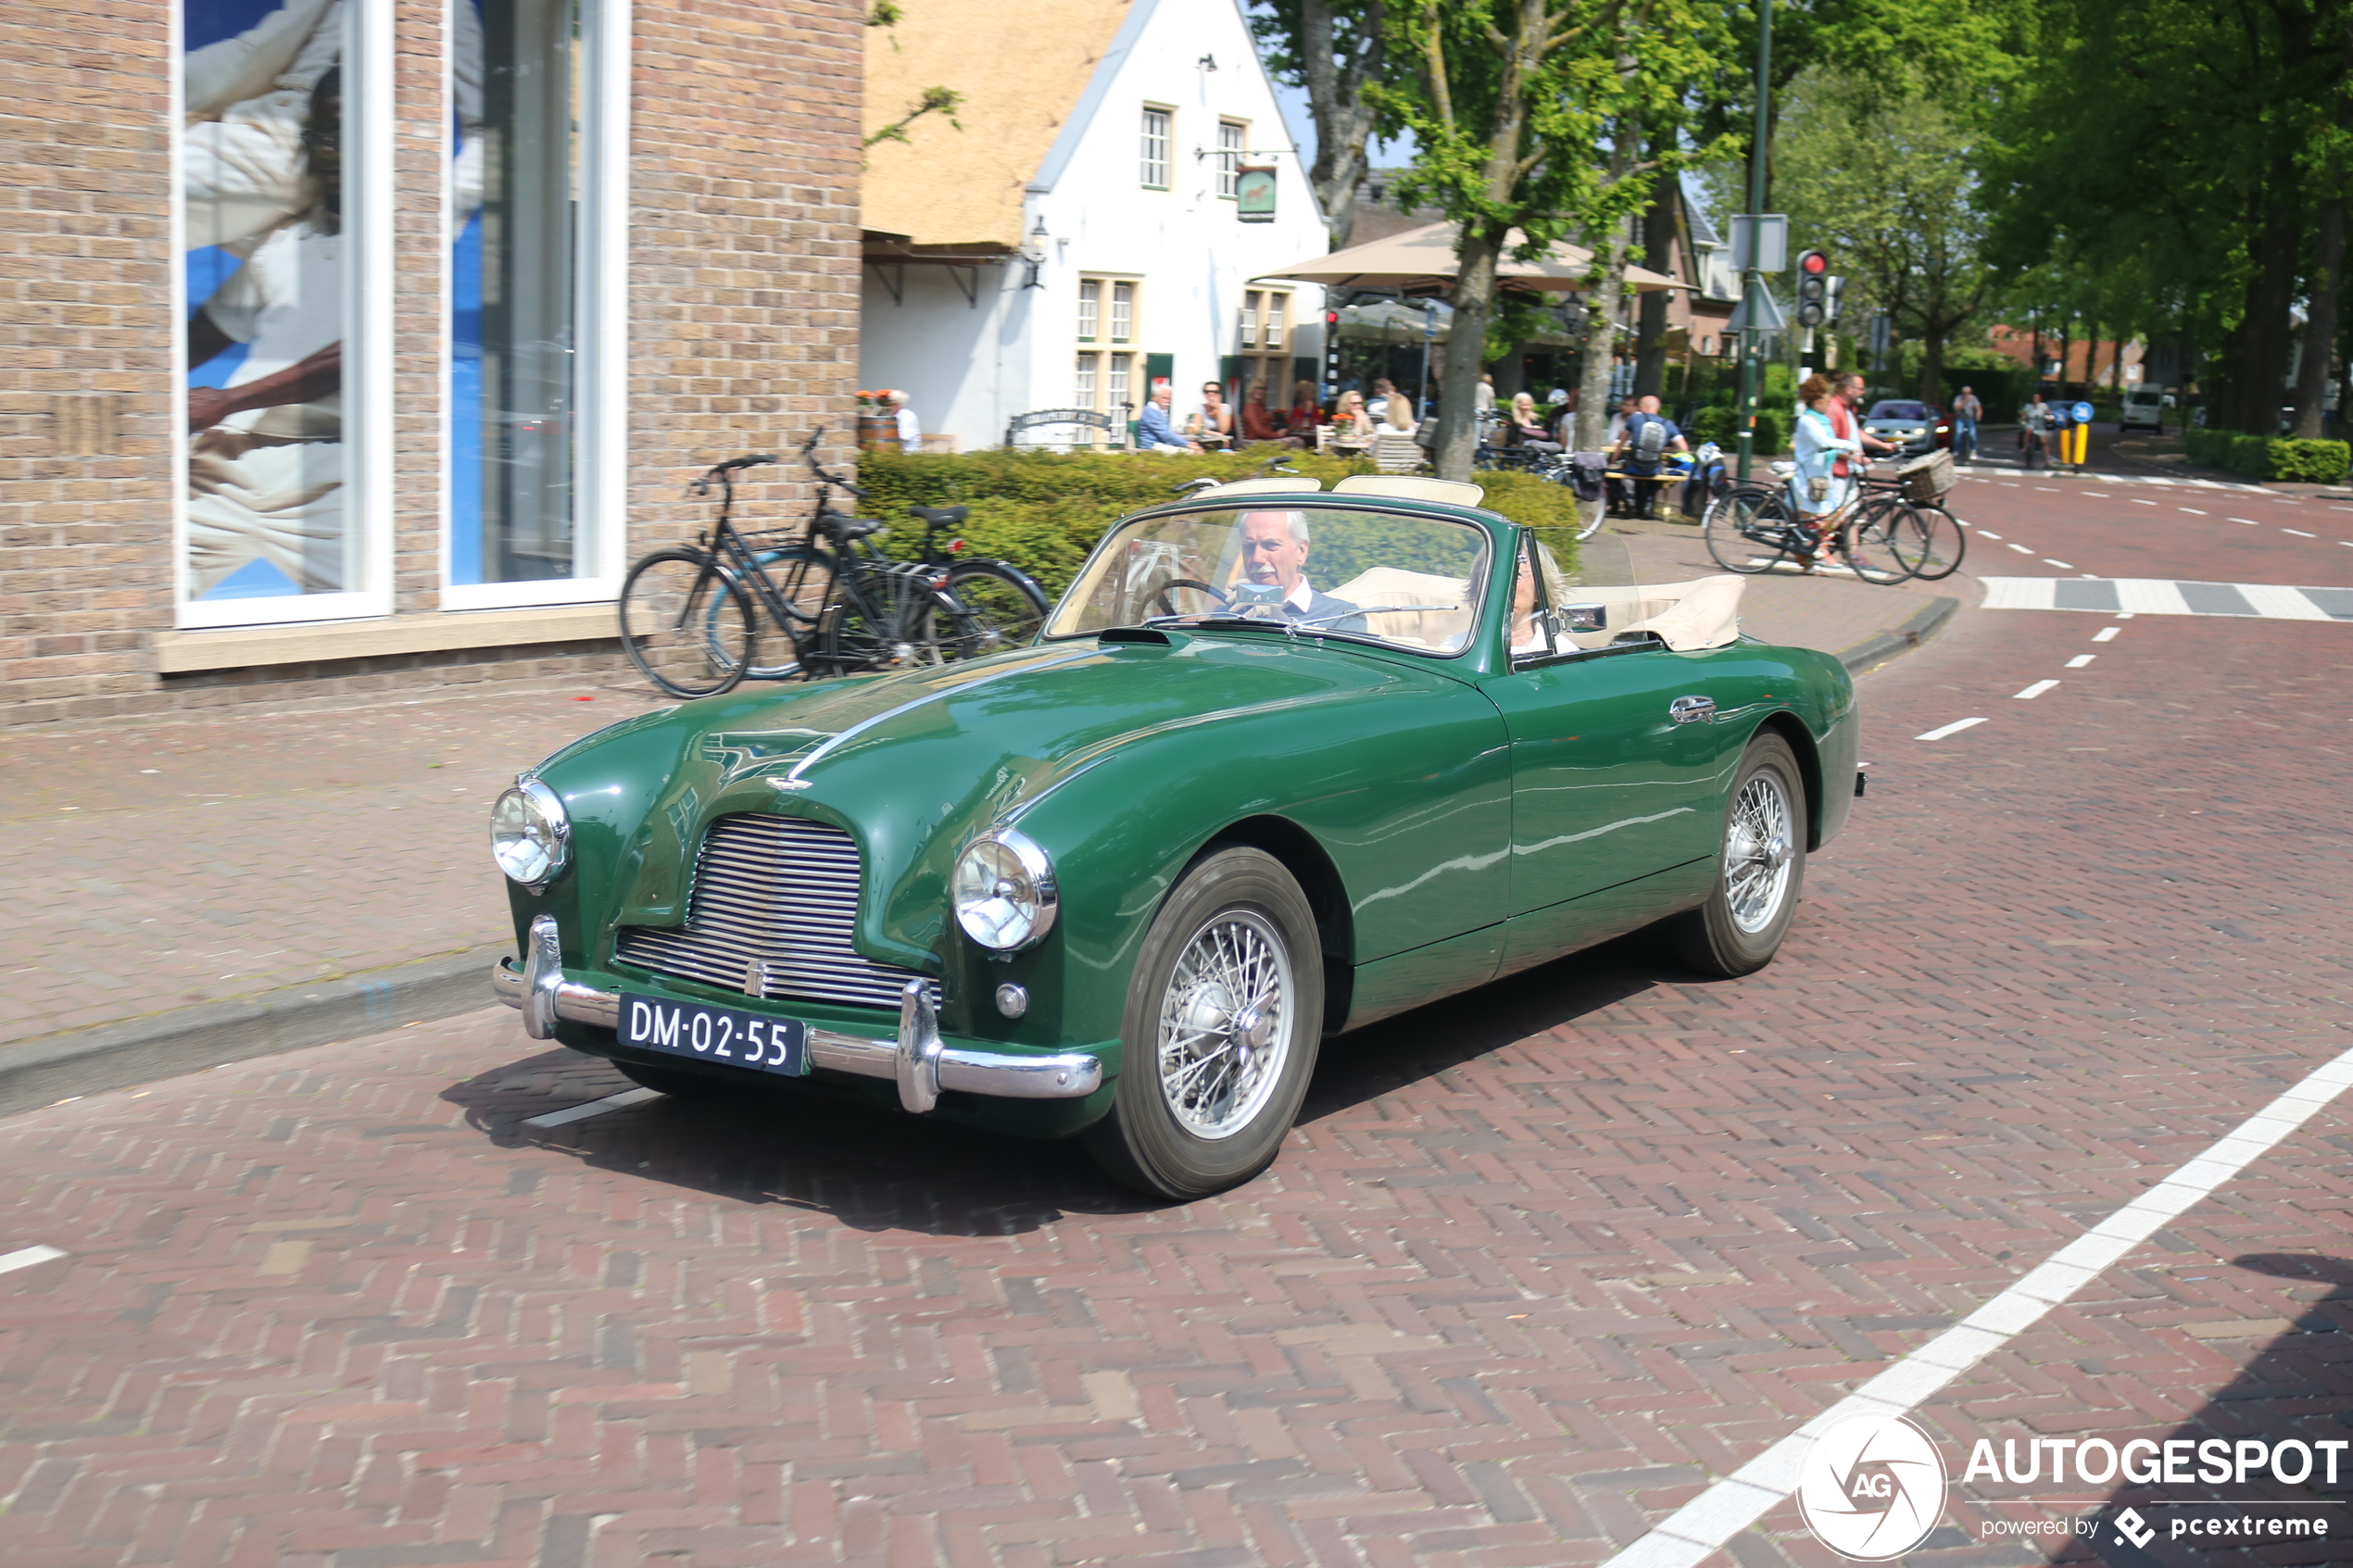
[[1692, 710]]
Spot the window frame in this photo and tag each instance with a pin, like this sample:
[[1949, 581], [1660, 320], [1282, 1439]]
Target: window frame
[[1167, 140], [367, 384], [1229, 158], [600, 477], [1090, 309]]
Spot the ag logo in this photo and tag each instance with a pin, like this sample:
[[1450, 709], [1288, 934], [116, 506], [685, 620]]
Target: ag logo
[[1871, 1489]]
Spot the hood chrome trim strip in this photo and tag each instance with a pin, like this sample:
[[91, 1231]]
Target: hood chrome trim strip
[[793, 779]]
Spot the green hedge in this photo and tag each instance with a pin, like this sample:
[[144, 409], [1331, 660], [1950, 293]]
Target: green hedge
[[1720, 423], [2265, 456], [1044, 510]]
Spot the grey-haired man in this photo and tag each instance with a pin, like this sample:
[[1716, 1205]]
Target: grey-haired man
[[1274, 555]]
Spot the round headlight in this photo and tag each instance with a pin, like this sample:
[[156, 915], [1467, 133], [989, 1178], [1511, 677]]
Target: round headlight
[[530, 834], [1003, 891]]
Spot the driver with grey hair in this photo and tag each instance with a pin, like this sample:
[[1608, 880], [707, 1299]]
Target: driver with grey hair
[[1273, 545]]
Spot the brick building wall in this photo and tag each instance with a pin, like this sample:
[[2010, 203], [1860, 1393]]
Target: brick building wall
[[742, 297]]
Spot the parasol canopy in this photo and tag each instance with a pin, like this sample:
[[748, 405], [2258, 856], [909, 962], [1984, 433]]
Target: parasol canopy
[[1424, 257]]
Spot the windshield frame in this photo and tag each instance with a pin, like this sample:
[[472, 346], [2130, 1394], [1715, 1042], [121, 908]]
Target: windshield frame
[[1477, 593]]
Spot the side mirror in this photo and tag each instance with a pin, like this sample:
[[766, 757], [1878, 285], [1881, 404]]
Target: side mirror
[[1584, 618]]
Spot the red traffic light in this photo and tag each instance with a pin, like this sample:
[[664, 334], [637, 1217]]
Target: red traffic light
[[1331, 317], [1813, 263]]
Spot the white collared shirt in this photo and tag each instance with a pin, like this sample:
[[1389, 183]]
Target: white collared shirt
[[1301, 596]]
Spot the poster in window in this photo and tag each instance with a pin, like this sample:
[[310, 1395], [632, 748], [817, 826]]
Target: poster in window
[[262, 203]]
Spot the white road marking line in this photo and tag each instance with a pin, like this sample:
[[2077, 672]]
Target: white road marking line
[[2191, 511], [2021, 549], [1954, 728], [2062, 565], [2101, 493], [2280, 603], [2150, 595], [1983, 534], [1702, 1525], [2138, 502], [2299, 533], [25, 1256], [2249, 520], [2081, 659], [2052, 488], [594, 1108], [2037, 689], [2106, 634]]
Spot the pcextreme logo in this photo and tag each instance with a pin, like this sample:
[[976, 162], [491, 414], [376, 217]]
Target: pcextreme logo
[[1871, 1489]]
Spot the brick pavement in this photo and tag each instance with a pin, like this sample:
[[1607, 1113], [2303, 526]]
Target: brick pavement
[[1537, 1264]]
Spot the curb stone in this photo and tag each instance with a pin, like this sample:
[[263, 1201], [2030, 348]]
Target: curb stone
[[1877, 649], [166, 1045]]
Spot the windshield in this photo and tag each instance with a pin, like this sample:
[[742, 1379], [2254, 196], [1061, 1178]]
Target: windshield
[[1410, 582], [1899, 411]]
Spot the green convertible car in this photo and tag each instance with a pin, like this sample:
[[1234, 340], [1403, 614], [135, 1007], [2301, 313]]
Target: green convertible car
[[1283, 761]]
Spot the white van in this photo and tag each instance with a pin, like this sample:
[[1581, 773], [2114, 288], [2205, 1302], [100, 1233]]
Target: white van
[[2144, 409]]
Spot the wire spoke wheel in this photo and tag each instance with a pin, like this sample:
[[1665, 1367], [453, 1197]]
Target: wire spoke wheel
[[1746, 530], [686, 625], [1758, 852], [1867, 545], [998, 610], [1226, 1021], [1929, 542]]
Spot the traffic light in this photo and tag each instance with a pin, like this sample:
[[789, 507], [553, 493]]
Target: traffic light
[[1833, 299], [1813, 288]]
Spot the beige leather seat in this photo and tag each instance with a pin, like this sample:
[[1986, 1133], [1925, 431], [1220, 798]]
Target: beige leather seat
[[1441, 631]]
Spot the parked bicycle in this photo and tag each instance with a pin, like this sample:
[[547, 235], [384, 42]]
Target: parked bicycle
[[691, 615]]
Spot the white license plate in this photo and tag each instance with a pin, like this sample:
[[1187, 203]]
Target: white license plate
[[710, 1034]]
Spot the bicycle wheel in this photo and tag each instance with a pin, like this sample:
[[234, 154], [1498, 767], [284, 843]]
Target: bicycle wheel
[[1747, 530], [1965, 447], [1929, 542], [1001, 608], [1868, 543], [803, 578], [852, 639], [687, 623]]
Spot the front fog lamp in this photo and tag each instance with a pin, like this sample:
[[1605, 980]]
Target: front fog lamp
[[530, 834], [1003, 891]]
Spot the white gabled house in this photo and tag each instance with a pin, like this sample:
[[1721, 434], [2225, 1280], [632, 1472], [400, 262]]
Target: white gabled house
[[1080, 236]]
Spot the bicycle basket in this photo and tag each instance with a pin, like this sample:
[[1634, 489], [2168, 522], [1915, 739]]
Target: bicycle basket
[[1927, 478]]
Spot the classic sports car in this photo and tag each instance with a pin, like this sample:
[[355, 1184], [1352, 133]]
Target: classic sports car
[[1281, 763]]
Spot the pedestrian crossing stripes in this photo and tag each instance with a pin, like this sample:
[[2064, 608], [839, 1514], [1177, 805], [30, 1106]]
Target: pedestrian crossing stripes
[[2153, 596]]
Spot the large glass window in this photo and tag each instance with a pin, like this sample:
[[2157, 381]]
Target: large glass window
[[1155, 148], [269, 257], [518, 78], [1233, 137]]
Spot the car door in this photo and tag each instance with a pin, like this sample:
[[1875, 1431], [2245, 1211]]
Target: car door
[[1618, 771]]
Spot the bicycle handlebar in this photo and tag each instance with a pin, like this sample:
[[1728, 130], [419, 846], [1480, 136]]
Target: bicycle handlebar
[[809, 456]]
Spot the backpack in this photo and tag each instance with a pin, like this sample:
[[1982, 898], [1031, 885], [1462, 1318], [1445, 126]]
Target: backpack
[[1651, 444]]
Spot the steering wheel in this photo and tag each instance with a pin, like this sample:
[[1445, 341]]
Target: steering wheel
[[1168, 606]]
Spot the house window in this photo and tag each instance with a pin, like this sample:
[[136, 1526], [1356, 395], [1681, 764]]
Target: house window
[[1249, 320], [1083, 384], [1233, 136], [284, 172], [1261, 340], [1123, 312], [1117, 394], [1155, 148], [1090, 299]]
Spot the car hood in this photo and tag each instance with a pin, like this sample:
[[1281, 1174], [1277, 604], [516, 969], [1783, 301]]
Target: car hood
[[913, 764]]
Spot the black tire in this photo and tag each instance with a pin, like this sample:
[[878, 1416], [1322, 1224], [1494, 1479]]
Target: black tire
[[687, 623], [1734, 932], [1931, 542], [1174, 1130], [849, 643], [804, 578], [1745, 530], [1000, 609], [1867, 545]]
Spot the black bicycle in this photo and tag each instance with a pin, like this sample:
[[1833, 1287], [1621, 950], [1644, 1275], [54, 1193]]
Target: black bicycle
[[690, 615], [1752, 528]]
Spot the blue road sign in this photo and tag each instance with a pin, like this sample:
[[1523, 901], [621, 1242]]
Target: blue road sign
[[2082, 412]]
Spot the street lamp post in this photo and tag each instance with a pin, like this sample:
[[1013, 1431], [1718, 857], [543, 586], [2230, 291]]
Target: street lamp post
[[1753, 279]]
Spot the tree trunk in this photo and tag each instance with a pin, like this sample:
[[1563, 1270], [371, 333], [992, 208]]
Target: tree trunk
[[1343, 120], [1933, 363], [1649, 333], [2323, 307], [1601, 342], [2262, 382], [1476, 254]]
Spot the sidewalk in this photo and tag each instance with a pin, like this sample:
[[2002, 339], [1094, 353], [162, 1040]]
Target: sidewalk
[[199, 891]]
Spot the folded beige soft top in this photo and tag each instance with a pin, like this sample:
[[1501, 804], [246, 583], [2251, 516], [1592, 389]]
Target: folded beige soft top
[[1703, 613]]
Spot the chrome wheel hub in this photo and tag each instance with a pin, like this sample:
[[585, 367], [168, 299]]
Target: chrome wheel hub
[[1758, 850], [1225, 1024]]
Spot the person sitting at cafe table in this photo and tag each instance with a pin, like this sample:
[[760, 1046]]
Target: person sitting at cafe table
[[1212, 424], [1154, 432], [1649, 436], [1258, 421], [1306, 412], [1352, 426], [1526, 429]]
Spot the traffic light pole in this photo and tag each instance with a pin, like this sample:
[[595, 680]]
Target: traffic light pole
[[1753, 281]]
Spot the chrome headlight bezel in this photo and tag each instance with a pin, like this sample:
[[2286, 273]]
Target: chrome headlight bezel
[[529, 815], [1002, 891]]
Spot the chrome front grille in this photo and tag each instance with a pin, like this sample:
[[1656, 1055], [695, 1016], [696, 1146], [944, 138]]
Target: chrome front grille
[[774, 904]]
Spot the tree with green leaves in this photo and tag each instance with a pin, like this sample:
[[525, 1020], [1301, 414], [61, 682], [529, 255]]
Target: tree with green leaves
[[1337, 52], [1515, 106]]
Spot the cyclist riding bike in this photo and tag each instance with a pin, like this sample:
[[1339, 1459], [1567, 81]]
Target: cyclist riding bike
[[1967, 411], [2035, 422], [1830, 444]]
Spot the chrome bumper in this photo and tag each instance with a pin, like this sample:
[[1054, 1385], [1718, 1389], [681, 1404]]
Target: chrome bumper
[[918, 1059]]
